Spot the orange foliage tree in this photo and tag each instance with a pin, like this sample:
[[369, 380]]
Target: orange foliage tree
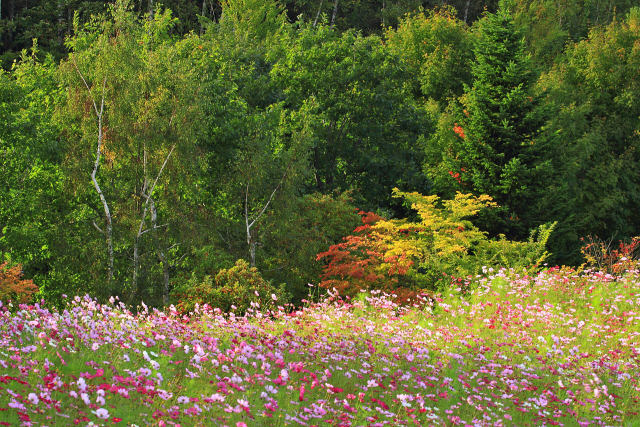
[[13, 286]]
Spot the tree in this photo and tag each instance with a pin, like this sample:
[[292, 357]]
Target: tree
[[408, 257], [549, 25], [363, 128], [313, 223], [596, 129], [13, 286], [32, 202], [491, 147], [436, 48], [163, 105]]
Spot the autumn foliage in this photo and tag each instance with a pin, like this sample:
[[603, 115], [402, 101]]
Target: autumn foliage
[[608, 257], [355, 263], [410, 258], [393, 255], [13, 286]]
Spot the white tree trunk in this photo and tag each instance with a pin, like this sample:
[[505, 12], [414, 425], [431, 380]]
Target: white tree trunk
[[252, 242], [315, 21], [466, 10], [147, 195], [161, 255], [335, 12], [108, 231], [204, 13]]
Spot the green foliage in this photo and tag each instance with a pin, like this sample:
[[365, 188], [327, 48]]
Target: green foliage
[[312, 223], [31, 178], [251, 20], [231, 141], [596, 131], [348, 92], [491, 146], [549, 25], [436, 48], [236, 289], [519, 255]]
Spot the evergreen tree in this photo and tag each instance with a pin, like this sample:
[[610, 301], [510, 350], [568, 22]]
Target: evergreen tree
[[495, 149]]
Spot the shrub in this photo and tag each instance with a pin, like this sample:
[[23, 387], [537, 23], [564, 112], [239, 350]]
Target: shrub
[[13, 286], [410, 258], [238, 286], [604, 256]]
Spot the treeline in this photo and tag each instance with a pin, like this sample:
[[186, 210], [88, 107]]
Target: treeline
[[548, 24], [142, 149]]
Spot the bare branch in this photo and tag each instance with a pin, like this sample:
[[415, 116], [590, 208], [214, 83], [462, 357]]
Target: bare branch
[[246, 214], [147, 196], [155, 227], [97, 228], [264, 208], [148, 200], [95, 107], [161, 169]]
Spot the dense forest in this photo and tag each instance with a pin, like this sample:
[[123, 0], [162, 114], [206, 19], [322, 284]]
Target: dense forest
[[204, 151]]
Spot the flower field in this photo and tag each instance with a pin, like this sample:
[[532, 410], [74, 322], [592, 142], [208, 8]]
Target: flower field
[[558, 348]]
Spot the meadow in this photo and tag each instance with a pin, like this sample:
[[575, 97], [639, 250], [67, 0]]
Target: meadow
[[556, 348]]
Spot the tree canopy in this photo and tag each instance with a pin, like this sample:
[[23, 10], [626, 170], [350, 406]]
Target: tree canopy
[[145, 148]]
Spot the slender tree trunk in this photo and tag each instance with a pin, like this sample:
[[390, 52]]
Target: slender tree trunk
[[147, 195], [252, 253], [161, 255], [466, 10], [165, 277], [335, 12], [108, 231], [60, 21], [251, 239], [204, 13], [105, 205], [151, 11], [134, 278], [315, 21]]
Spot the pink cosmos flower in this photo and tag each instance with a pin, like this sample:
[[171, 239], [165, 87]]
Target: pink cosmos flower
[[102, 413]]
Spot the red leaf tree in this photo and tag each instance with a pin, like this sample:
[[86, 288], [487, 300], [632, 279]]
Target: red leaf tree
[[13, 286]]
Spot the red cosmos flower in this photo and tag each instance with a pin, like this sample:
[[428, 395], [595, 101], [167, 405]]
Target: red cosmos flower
[[301, 395], [99, 373]]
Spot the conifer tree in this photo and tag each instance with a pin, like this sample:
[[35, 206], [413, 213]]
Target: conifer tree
[[495, 151]]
